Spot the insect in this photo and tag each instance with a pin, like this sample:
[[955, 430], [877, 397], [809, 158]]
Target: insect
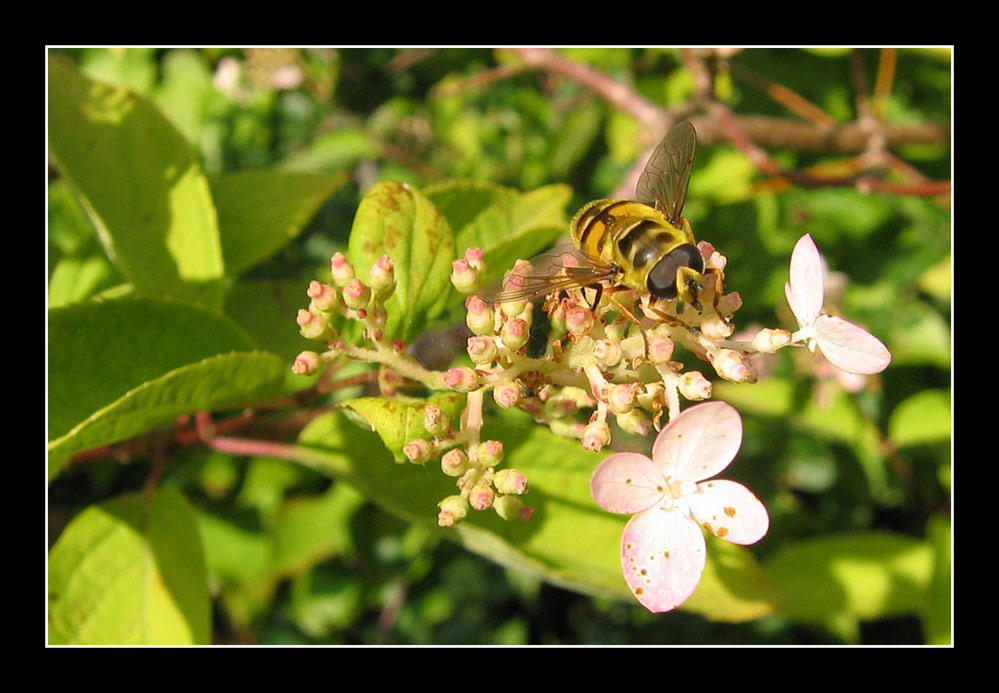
[[646, 245]]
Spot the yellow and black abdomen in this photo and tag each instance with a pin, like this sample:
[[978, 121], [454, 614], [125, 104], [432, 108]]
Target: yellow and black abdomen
[[640, 241]]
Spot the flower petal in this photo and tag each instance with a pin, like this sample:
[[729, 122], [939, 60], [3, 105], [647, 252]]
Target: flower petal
[[700, 442], [729, 510], [627, 482], [850, 347], [805, 293], [662, 554]]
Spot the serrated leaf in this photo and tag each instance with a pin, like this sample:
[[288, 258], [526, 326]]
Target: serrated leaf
[[140, 182], [260, 211], [398, 423], [861, 575], [130, 571], [570, 542], [397, 220], [921, 418]]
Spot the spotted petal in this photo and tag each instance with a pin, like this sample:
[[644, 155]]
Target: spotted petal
[[662, 554], [850, 347], [700, 442], [627, 482], [805, 292], [729, 510]]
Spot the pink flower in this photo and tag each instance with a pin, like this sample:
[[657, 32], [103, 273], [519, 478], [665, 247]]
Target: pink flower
[[847, 346], [663, 548]]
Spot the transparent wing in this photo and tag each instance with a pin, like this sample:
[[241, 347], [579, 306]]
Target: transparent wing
[[663, 183], [556, 270]]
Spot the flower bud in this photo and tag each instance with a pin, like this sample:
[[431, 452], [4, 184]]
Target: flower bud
[[620, 398], [481, 496], [324, 298], [418, 451], [660, 347], [461, 379], [435, 421], [454, 462], [578, 320], [507, 394], [733, 366], [490, 453], [479, 316], [306, 363], [768, 341], [356, 295], [515, 334], [694, 386], [482, 350], [715, 327], [634, 422], [467, 481], [607, 352], [382, 276], [311, 325], [453, 510], [510, 481], [729, 303], [474, 258], [464, 278], [342, 270], [512, 508], [596, 435]]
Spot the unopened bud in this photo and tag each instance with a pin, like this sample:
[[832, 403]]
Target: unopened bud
[[482, 350], [462, 379], [356, 295], [578, 320], [490, 453], [311, 325], [634, 422], [481, 496], [454, 462], [512, 508], [479, 316], [464, 277], [607, 352], [453, 510], [324, 297], [306, 363], [660, 347], [341, 270], [620, 398], [515, 334], [768, 341], [733, 366], [694, 386], [435, 421], [715, 327], [382, 276], [467, 481], [510, 481], [729, 303], [418, 451], [596, 435], [474, 258], [507, 394]]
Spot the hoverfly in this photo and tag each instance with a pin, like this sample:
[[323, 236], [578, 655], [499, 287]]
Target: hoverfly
[[646, 245]]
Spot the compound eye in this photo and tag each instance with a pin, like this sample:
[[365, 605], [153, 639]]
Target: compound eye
[[662, 278]]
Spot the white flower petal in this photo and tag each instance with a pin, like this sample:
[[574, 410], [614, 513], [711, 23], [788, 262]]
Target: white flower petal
[[662, 554], [700, 442], [729, 510], [627, 482], [805, 292], [850, 347]]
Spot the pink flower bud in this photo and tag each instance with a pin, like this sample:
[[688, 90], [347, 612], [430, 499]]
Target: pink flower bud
[[490, 453], [467, 481], [596, 435], [481, 496], [506, 394], [462, 379], [620, 398], [515, 334], [578, 320], [510, 481], [479, 316], [607, 352], [418, 451], [694, 386], [453, 510], [324, 298], [342, 270], [733, 366], [768, 341], [382, 276], [311, 325], [713, 326], [482, 350], [660, 348], [306, 363], [464, 278], [356, 295], [634, 422], [435, 421], [454, 462], [512, 508], [729, 303], [474, 258]]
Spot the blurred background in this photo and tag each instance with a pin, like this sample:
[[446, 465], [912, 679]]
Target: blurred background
[[851, 146]]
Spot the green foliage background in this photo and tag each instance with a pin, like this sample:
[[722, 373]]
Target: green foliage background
[[193, 195]]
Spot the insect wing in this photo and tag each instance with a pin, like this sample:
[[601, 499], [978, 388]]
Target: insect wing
[[663, 183], [556, 270]]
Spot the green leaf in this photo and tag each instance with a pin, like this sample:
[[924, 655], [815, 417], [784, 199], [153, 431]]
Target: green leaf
[[119, 368], [397, 423], [396, 219], [313, 529], [266, 309], [860, 575], [938, 612], [921, 418], [130, 571], [140, 182], [570, 542], [503, 223], [260, 211]]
